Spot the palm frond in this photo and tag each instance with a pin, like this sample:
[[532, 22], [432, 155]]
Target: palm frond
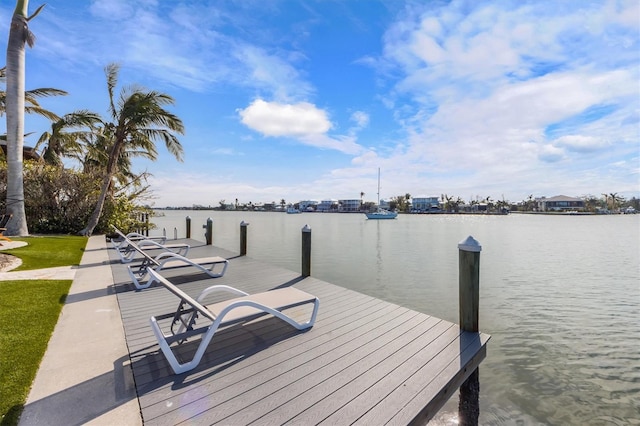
[[45, 92], [42, 112], [112, 71]]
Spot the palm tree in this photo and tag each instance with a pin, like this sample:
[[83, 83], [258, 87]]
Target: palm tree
[[19, 35], [62, 143], [95, 155], [591, 203], [615, 200], [139, 119]]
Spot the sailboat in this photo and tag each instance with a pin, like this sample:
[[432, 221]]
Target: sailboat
[[381, 213]]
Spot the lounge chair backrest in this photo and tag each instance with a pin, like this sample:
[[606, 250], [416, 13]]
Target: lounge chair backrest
[[182, 295], [147, 259]]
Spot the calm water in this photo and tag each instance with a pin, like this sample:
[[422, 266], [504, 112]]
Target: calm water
[[560, 296]]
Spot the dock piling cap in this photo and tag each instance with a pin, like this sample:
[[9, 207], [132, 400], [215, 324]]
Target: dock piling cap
[[470, 244], [306, 228]]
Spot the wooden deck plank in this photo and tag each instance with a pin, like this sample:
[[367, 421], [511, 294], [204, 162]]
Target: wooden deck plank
[[308, 402], [274, 369], [357, 392], [364, 360], [431, 395], [223, 344], [210, 359]]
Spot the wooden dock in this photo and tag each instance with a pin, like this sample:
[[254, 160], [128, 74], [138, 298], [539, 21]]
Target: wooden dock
[[366, 361]]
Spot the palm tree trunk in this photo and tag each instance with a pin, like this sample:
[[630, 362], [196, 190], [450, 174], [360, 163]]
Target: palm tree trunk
[[104, 190], [18, 35], [95, 216]]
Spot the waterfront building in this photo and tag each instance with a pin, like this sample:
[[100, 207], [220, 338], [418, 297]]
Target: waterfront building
[[559, 203], [307, 205], [425, 204], [327, 206], [346, 206]]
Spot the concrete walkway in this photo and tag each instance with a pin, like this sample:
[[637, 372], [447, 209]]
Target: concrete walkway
[[85, 376]]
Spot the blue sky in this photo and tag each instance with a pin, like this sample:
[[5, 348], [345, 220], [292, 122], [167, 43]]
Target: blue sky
[[306, 99]]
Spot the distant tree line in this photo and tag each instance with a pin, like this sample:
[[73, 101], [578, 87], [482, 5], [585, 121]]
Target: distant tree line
[[447, 203]]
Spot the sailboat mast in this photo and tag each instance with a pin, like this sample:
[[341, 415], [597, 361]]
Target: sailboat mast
[[378, 187]]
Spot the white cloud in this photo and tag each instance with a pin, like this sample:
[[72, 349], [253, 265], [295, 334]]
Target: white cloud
[[550, 154], [224, 151], [190, 47], [113, 10], [264, 70], [580, 143], [301, 121], [480, 84], [291, 120], [360, 118]]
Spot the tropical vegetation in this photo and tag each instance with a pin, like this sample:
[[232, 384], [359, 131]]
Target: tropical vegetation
[[48, 195]]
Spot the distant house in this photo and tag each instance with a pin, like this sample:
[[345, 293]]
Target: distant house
[[28, 153], [307, 205], [480, 207], [384, 204], [559, 203], [425, 204], [326, 205], [346, 206]]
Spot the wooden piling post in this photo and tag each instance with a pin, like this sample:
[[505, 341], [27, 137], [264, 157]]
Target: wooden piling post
[[208, 235], [469, 298], [306, 251], [188, 226], [146, 224], [243, 238]]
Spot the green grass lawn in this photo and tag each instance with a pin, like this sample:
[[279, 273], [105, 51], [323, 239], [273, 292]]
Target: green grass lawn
[[29, 310], [49, 251]]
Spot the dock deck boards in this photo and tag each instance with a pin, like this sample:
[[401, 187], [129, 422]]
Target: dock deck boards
[[365, 361]]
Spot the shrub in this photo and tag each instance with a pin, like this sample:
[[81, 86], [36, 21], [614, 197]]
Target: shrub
[[60, 200]]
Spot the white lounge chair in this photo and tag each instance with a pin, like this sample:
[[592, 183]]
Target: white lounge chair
[[135, 236], [127, 252], [170, 260], [3, 227], [240, 309]]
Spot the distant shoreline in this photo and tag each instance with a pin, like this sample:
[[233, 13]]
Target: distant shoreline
[[564, 213]]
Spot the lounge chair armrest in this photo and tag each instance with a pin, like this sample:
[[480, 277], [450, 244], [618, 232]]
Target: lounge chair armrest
[[221, 287], [263, 309], [135, 236], [143, 243], [166, 256]]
